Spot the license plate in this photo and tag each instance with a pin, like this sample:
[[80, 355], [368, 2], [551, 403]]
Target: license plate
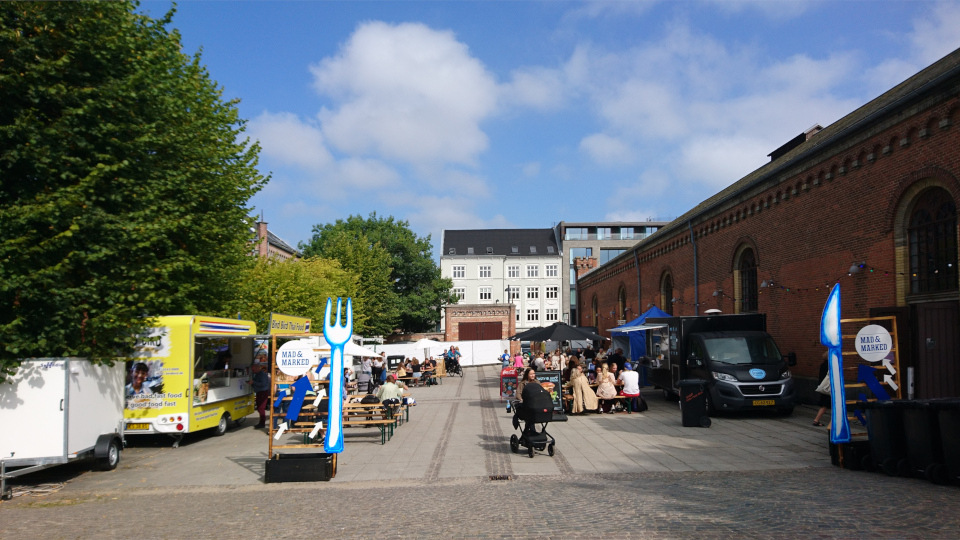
[[763, 402], [138, 426]]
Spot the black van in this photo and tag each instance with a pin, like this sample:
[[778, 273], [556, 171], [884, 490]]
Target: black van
[[733, 353]]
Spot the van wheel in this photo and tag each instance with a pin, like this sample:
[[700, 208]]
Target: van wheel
[[223, 425], [112, 459], [667, 395]]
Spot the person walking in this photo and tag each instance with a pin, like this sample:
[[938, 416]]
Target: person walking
[[824, 400], [261, 388], [505, 358]]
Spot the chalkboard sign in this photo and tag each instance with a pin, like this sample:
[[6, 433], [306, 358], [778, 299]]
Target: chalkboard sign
[[551, 382]]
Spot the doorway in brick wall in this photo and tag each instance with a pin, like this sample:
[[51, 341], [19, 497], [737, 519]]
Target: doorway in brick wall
[[477, 331], [938, 349]]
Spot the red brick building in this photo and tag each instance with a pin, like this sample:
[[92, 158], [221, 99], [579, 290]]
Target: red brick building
[[870, 201]]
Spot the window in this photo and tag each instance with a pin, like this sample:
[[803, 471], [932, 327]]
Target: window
[[513, 293], [552, 314], [513, 271], [553, 270], [552, 292], [533, 270], [533, 315], [607, 254], [573, 275], [580, 252], [452, 251], [459, 271], [549, 249], [748, 281], [573, 297], [622, 303], [533, 293], [932, 233], [576, 233], [514, 249], [489, 250], [469, 251], [518, 315], [486, 293], [626, 233], [460, 293], [666, 293], [596, 313], [533, 249], [485, 271], [604, 233]]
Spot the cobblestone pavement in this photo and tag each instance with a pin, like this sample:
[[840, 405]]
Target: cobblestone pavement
[[639, 475]]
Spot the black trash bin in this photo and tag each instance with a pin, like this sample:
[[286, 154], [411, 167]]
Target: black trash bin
[[693, 403], [948, 415], [888, 443], [924, 450]]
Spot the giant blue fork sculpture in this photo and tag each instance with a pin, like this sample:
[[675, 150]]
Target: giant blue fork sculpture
[[337, 336], [831, 338]]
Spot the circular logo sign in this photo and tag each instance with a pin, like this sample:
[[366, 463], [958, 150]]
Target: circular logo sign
[[873, 343], [295, 357], [757, 373]]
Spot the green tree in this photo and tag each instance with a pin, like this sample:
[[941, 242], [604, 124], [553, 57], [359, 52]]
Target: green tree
[[415, 276], [370, 263], [296, 287], [124, 180]]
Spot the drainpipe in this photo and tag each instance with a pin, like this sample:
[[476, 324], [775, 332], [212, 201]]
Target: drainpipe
[[636, 262], [696, 278]]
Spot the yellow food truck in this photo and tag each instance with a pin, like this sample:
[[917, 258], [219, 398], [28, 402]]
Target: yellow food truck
[[190, 372]]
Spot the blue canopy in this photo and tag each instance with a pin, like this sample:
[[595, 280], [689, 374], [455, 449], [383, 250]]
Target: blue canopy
[[638, 342]]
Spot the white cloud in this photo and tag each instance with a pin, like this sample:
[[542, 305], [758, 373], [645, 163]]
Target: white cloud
[[284, 137], [774, 9], [538, 87], [406, 92], [934, 35], [531, 170], [606, 150]]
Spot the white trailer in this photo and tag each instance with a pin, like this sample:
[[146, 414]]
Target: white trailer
[[58, 410]]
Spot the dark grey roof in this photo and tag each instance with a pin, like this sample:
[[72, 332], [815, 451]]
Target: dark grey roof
[[500, 242], [275, 240]]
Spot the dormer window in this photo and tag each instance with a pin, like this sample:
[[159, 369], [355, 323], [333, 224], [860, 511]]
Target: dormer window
[[452, 251], [469, 251], [533, 249], [549, 249], [514, 249], [489, 250]]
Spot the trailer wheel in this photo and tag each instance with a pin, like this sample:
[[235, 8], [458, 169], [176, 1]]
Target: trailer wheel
[[223, 425], [112, 459]]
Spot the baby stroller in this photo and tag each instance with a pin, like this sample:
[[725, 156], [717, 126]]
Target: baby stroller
[[453, 367], [364, 383], [536, 408]]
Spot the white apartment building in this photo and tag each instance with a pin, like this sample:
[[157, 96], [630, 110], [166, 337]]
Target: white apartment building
[[492, 266]]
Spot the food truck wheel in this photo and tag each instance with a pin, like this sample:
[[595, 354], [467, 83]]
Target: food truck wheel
[[222, 426], [112, 458]]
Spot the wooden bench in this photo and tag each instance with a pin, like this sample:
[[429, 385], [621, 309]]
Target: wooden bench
[[569, 399]]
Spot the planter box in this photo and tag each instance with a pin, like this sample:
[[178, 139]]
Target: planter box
[[312, 467]]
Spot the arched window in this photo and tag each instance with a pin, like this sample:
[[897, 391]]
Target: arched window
[[595, 318], [666, 293], [622, 303], [748, 281], [932, 234]]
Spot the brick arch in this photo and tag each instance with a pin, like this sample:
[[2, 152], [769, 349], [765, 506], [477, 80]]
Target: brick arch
[[908, 191], [741, 244]]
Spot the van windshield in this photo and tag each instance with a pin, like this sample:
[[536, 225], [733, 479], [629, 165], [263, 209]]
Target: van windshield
[[743, 350]]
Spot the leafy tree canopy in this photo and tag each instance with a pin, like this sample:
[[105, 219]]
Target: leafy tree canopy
[[415, 276], [124, 180], [297, 287]]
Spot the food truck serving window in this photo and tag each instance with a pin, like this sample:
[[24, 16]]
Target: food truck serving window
[[743, 350]]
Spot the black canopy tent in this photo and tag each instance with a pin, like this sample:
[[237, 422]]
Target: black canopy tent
[[557, 331]]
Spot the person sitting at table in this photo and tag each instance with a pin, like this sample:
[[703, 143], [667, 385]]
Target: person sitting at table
[[389, 392], [584, 398], [539, 363], [606, 391], [415, 368], [401, 371], [631, 388], [348, 385]]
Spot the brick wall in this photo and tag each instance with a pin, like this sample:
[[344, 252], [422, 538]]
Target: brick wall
[[508, 318], [806, 228]]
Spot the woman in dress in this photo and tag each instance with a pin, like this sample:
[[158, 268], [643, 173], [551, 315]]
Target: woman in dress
[[606, 390]]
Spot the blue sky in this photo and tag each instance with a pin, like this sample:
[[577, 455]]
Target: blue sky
[[521, 114]]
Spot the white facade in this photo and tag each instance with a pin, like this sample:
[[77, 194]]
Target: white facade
[[534, 283]]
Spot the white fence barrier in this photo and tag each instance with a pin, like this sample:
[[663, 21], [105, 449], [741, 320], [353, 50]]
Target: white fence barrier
[[473, 353]]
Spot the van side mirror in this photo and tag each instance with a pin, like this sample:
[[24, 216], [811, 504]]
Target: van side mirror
[[693, 361], [791, 359]]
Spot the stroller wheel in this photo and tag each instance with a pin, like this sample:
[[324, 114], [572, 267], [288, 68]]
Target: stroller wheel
[[550, 449], [530, 450], [514, 444]]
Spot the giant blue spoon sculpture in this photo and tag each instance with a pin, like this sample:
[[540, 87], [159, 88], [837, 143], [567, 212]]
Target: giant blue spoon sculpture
[[337, 336], [830, 337]]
